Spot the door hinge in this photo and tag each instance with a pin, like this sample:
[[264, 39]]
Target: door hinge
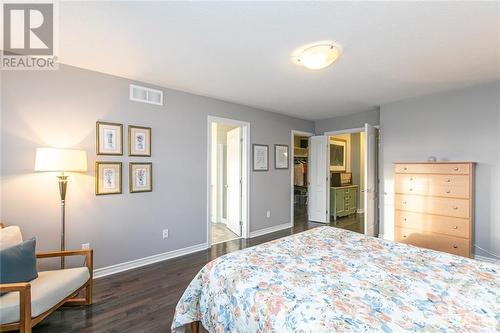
[[241, 223]]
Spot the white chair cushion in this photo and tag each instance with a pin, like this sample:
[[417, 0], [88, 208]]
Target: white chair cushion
[[10, 236], [48, 289]]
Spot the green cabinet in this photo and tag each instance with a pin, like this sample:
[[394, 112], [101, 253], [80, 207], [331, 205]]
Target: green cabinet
[[343, 200]]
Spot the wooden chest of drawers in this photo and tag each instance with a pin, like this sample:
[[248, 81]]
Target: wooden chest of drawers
[[434, 205]]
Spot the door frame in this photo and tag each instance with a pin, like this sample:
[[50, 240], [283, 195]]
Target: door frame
[[292, 156], [245, 174]]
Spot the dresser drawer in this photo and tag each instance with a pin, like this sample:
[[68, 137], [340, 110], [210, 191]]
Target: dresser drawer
[[433, 168], [433, 205], [429, 240], [452, 226], [452, 186]]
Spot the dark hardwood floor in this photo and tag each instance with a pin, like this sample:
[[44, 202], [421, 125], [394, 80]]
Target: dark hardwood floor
[[144, 299]]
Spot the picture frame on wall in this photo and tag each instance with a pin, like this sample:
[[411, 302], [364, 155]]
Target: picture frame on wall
[[338, 153], [260, 157], [140, 177], [109, 138], [108, 178], [139, 141], [281, 157]]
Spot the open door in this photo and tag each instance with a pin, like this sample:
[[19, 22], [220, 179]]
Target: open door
[[234, 181], [371, 181], [318, 179]]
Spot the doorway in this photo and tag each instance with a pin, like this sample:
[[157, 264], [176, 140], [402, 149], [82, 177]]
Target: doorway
[[300, 173], [228, 180], [348, 161]]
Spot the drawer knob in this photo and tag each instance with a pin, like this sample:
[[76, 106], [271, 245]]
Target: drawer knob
[[411, 179], [455, 227], [448, 180], [455, 246], [404, 236], [405, 168], [455, 208], [404, 219], [448, 192], [404, 202], [455, 169], [411, 189]]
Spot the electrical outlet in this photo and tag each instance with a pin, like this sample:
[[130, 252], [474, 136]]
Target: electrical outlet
[[85, 246], [268, 214], [165, 233]]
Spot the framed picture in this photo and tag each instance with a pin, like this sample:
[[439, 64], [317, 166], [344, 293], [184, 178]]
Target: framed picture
[[109, 138], [338, 149], [260, 157], [139, 141], [281, 157], [140, 177], [108, 178]]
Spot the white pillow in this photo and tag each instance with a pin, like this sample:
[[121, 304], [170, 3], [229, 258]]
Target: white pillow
[[10, 236]]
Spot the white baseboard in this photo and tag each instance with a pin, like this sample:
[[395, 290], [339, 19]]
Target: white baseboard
[[487, 259], [125, 266], [270, 229]]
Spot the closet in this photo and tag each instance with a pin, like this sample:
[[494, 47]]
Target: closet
[[300, 178]]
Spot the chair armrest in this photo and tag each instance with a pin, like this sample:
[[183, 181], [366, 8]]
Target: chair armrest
[[87, 253], [66, 253], [8, 287], [24, 289]]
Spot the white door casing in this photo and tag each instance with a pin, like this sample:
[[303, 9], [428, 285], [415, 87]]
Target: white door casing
[[234, 180], [370, 190], [318, 179]]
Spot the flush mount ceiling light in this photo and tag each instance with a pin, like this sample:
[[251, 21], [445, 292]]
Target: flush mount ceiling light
[[317, 55]]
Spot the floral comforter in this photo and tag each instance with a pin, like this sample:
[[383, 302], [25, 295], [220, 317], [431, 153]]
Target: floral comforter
[[331, 280]]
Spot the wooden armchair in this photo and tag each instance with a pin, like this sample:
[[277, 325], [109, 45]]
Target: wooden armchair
[[42, 296]]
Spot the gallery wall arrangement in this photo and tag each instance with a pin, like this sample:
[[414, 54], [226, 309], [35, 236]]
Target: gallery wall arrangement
[[108, 174], [260, 155]]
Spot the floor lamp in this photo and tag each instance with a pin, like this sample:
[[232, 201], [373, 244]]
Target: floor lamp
[[61, 160]]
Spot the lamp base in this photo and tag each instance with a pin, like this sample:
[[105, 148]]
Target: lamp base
[[63, 183]]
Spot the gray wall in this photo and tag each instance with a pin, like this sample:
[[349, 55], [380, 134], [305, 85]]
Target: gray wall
[[462, 125], [355, 120], [60, 108]]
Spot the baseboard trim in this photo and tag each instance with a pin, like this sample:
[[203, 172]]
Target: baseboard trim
[[270, 229], [486, 259], [125, 266]]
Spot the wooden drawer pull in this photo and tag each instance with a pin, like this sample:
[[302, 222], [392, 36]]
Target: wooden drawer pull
[[448, 192], [455, 227], [404, 236], [455, 246], [404, 202], [405, 168], [411, 189], [448, 180], [455, 208], [455, 169]]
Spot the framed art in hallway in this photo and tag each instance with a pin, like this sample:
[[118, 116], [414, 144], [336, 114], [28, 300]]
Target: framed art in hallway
[[260, 157], [281, 157], [108, 178], [139, 141], [109, 137], [140, 177]]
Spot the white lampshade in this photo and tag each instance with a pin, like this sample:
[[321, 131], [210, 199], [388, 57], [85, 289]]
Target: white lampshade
[[54, 159]]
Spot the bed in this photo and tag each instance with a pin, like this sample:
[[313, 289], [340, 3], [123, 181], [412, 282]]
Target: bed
[[332, 280]]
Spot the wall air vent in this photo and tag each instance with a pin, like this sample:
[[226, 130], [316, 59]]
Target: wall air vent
[[146, 95]]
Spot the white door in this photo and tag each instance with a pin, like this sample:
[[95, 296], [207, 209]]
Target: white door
[[234, 181], [371, 211], [318, 179]]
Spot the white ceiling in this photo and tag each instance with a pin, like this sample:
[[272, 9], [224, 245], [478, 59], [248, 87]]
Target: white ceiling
[[239, 51]]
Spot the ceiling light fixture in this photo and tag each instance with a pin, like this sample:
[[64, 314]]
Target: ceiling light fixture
[[317, 55]]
